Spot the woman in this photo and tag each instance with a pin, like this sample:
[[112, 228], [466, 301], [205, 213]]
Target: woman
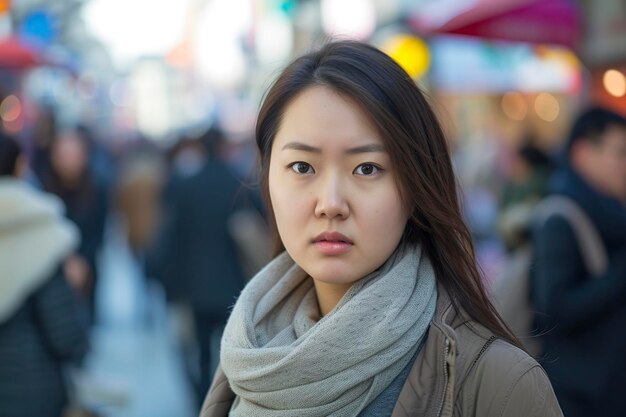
[[40, 326], [85, 200], [375, 307]]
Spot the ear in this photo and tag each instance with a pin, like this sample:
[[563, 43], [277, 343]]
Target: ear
[[581, 154]]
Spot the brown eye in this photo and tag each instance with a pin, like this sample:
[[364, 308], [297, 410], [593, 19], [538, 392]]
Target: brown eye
[[366, 169], [302, 168]]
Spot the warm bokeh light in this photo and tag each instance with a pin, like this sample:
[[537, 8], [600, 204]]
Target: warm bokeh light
[[614, 82], [514, 105], [547, 107], [14, 126], [410, 52], [10, 108]]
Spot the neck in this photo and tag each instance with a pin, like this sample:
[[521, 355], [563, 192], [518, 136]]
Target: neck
[[328, 295], [71, 182]]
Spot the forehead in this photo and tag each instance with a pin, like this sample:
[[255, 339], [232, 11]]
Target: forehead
[[69, 145], [321, 117]]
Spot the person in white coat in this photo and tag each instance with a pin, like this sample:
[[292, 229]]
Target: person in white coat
[[40, 321]]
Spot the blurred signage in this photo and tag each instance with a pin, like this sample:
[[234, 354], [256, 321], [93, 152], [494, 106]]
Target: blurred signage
[[38, 27], [464, 64]]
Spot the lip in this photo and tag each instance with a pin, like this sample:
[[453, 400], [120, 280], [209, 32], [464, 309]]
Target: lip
[[332, 243]]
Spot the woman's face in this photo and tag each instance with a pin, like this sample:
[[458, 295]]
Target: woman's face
[[69, 156], [333, 189]]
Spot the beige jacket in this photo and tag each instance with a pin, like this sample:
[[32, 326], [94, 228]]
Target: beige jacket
[[463, 370]]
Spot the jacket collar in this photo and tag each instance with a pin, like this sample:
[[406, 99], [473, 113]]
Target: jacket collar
[[443, 364]]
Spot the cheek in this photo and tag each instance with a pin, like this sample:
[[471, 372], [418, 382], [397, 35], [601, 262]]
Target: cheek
[[613, 167], [289, 205], [277, 197], [384, 216]]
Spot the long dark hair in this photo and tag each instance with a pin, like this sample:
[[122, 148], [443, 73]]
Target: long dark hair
[[418, 150]]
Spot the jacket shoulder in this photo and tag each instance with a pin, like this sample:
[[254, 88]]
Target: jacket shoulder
[[506, 382], [220, 397]]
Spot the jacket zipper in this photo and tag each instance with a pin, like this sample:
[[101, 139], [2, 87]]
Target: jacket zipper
[[445, 376], [445, 368]]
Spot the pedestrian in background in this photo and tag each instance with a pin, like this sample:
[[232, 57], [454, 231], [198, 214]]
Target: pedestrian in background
[[530, 172], [582, 317], [373, 305], [137, 195], [84, 195], [195, 255], [40, 317]]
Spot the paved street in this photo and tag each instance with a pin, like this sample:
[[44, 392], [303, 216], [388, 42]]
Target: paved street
[[134, 369]]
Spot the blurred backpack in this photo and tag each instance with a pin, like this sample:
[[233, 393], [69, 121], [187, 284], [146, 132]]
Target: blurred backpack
[[511, 293]]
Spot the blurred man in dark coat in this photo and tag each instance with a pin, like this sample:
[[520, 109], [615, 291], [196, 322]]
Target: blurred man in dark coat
[[583, 317], [195, 255]]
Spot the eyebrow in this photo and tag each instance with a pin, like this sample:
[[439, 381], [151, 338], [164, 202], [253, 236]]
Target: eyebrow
[[298, 146]]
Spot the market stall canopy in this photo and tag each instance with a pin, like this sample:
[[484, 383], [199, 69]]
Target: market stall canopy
[[535, 21], [16, 54]]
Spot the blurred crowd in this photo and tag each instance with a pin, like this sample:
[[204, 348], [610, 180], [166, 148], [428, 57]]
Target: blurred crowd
[[192, 217]]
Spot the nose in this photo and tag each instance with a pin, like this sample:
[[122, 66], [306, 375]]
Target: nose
[[331, 201]]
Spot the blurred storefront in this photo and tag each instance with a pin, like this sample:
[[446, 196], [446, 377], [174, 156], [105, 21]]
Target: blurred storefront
[[511, 64], [522, 65], [593, 33]]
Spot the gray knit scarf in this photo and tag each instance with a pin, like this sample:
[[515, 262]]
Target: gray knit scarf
[[281, 359]]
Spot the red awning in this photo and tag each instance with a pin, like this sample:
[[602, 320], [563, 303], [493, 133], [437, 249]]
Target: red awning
[[18, 55], [535, 21]]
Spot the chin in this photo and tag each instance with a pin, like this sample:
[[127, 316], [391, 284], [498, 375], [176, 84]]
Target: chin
[[333, 275]]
